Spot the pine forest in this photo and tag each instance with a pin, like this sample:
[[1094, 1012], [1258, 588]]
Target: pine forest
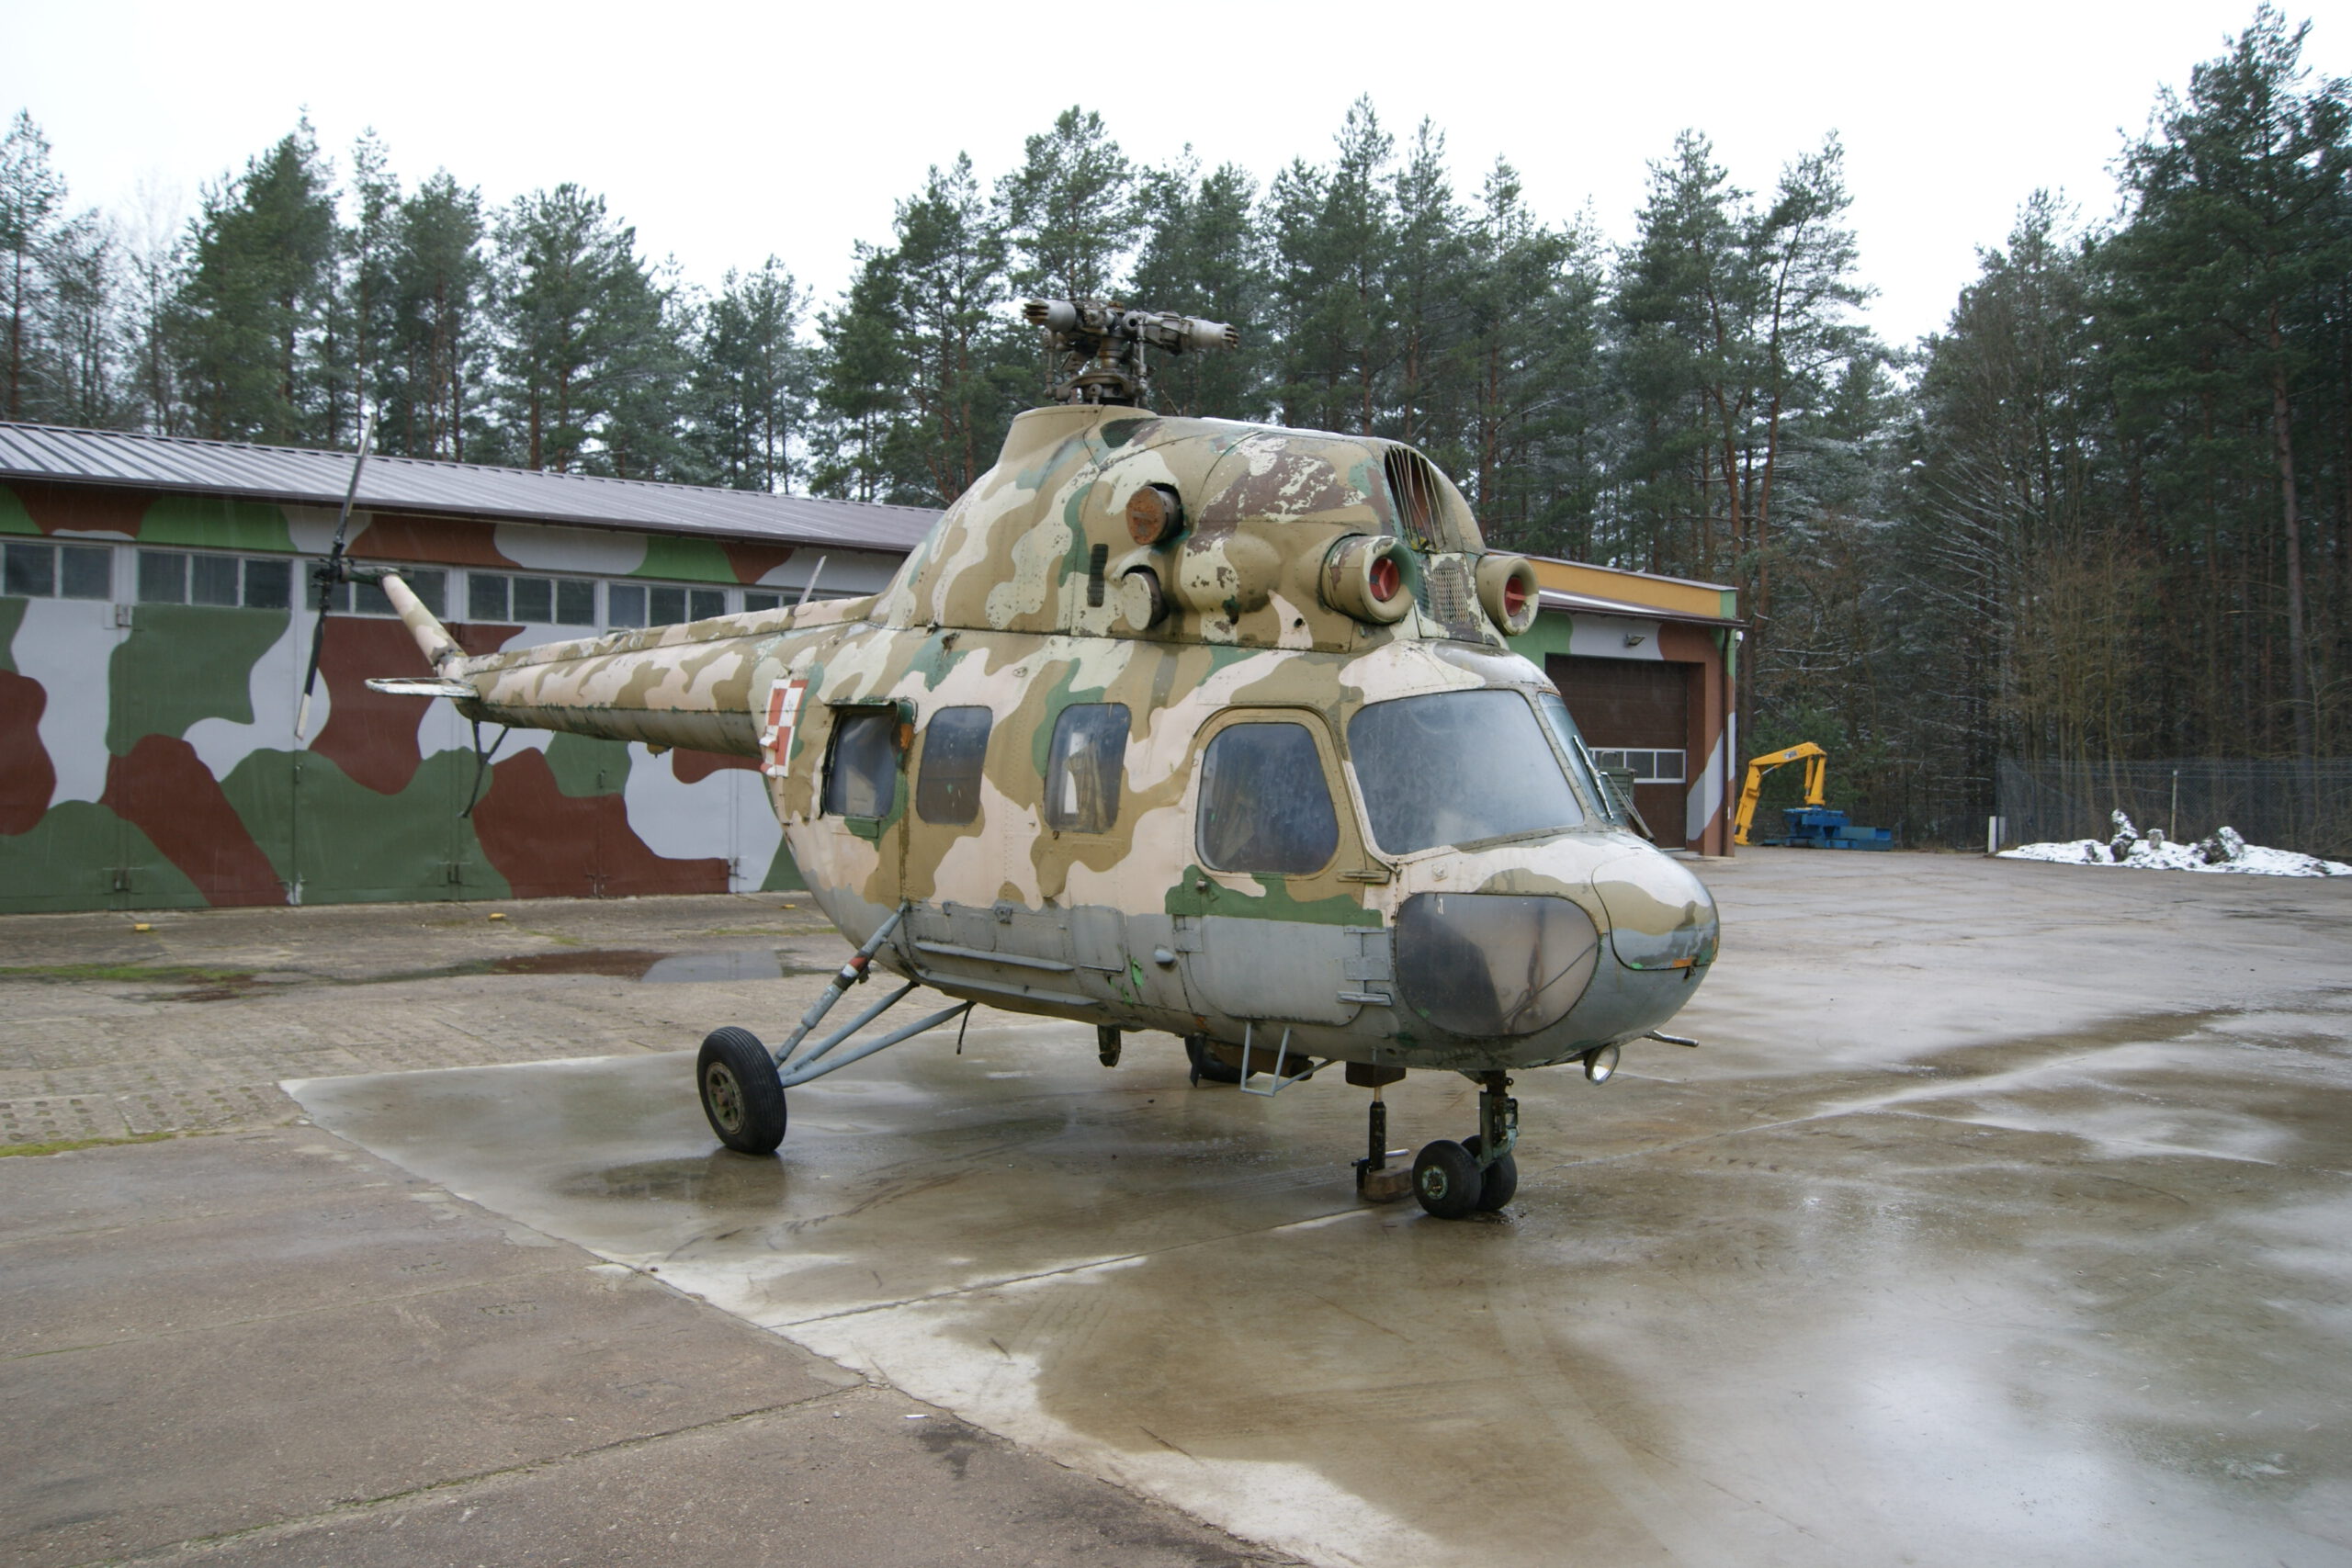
[[2106, 512]]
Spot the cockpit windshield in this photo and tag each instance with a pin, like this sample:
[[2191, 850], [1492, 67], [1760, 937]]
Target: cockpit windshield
[[1456, 767], [1590, 785]]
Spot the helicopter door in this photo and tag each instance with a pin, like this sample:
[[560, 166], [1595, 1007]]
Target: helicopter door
[[1281, 932], [857, 838]]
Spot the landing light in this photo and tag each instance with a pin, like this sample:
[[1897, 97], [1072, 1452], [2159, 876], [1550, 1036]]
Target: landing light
[[1600, 1066]]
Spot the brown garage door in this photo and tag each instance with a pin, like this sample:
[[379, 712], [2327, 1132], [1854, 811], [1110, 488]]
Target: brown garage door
[[1636, 712]]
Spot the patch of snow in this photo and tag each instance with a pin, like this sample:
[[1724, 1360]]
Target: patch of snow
[[2226, 851]]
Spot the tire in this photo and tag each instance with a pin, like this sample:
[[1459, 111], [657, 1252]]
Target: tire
[[741, 1095], [1206, 1064], [1446, 1180], [1501, 1183]]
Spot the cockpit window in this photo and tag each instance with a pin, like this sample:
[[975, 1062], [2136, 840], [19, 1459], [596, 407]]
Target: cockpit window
[[1590, 785], [1456, 767], [1083, 765], [1264, 806]]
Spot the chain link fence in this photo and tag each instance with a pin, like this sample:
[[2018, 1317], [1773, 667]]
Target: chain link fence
[[2286, 804]]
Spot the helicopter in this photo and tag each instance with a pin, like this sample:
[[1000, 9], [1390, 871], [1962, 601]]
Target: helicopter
[[1195, 726]]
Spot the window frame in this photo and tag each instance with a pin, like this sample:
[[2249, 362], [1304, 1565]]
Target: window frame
[[1056, 773], [1527, 696], [842, 717], [924, 767], [1334, 782], [56, 550]]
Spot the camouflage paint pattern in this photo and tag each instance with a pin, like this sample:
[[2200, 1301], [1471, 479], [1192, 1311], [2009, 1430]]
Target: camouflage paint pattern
[[147, 757], [1030, 596]]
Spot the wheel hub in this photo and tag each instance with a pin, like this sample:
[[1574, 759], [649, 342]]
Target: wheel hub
[[726, 1097]]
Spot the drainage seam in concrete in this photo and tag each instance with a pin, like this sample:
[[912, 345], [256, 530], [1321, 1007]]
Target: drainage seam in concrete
[[481, 1479]]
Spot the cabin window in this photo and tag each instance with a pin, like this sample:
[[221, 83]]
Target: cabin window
[[1083, 770], [955, 746], [862, 779], [1264, 804], [1457, 767]]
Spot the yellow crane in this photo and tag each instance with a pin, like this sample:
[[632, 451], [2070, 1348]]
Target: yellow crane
[[1816, 777], [1812, 825]]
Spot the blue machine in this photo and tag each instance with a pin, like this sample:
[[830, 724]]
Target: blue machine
[[1819, 828]]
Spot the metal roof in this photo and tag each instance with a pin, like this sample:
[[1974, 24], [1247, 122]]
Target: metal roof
[[1592, 604], [255, 472]]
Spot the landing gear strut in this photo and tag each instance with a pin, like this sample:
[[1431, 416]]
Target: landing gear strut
[[1455, 1180]]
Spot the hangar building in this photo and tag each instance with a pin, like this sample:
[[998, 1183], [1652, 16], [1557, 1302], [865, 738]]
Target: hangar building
[[153, 634]]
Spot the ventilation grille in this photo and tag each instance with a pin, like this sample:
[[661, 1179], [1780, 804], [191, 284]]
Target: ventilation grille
[[1451, 600], [1413, 487]]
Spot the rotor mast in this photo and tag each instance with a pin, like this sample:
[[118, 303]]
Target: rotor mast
[[1098, 347]]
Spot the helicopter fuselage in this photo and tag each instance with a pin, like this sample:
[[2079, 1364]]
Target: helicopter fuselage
[[1186, 725]]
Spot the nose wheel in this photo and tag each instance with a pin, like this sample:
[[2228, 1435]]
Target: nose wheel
[[1450, 1180]]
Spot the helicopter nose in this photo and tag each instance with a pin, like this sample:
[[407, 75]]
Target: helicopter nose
[[1660, 916], [1490, 965]]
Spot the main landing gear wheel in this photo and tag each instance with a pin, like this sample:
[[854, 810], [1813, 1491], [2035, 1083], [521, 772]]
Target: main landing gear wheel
[[1447, 1180], [1207, 1063], [1501, 1183], [741, 1093]]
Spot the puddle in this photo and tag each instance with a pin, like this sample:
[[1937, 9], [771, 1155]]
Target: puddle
[[209, 984], [722, 1180], [626, 964], [743, 963]]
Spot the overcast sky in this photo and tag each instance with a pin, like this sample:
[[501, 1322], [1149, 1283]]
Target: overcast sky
[[726, 132]]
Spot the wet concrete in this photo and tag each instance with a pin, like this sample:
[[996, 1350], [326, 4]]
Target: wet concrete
[[2001, 1219]]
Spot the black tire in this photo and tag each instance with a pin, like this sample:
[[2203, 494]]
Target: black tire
[[1206, 1064], [1446, 1180], [1501, 1184], [741, 1095]]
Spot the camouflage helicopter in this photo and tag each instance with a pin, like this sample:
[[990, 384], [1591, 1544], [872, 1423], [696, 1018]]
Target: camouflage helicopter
[[1186, 725]]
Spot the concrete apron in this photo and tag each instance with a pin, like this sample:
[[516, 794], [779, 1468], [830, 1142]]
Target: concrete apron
[[1961, 1291]]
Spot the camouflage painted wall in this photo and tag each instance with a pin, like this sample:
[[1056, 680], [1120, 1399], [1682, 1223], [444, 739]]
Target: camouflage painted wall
[[147, 757]]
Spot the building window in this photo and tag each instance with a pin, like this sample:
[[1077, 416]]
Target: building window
[[429, 583], [38, 569], [954, 748], [1647, 767], [252, 583], [862, 779], [1083, 767], [756, 599], [495, 597], [660, 603]]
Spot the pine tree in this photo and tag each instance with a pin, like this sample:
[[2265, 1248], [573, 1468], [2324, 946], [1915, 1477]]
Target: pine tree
[[440, 338], [31, 195], [589, 344], [751, 380], [250, 316], [970, 368], [862, 374], [1428, 277], [1068, 213], [2234, 253], [1202, 256]]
